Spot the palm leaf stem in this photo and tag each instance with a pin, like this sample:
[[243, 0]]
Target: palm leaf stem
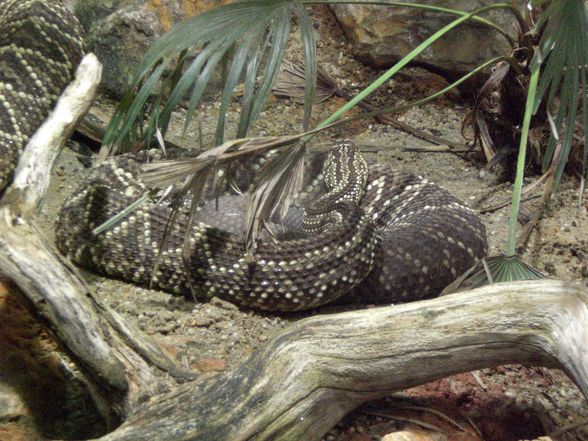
[[518, 184]]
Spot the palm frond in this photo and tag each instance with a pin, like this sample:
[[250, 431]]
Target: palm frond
[[240, 35], [563, 55], [495, 269], [278, 180], [291, 83], [311, 67]]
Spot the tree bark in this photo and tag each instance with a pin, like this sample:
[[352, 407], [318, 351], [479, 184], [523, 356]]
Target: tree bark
[[305, 379]]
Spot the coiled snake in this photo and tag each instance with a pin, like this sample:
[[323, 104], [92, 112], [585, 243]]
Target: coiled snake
[[392, 236]]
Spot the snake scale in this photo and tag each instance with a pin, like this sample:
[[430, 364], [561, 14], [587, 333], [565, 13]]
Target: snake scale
[[371, 233]]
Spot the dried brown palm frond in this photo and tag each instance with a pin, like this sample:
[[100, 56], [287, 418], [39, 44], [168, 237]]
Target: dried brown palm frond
[[277, 181], [290, 83], [497, 112], [488, 110]]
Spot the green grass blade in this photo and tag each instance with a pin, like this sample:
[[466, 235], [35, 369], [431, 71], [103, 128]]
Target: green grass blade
[[120, 216]]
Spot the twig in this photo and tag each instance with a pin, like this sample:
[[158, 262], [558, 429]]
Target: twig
[[475, 373], [505, 203], [526, 231], [436, 149], [291, 84], [487, 271], [477, 430], [389, 119], [436, 413]]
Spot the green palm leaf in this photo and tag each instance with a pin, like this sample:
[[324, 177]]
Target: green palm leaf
[[241, 35], [495, 269]]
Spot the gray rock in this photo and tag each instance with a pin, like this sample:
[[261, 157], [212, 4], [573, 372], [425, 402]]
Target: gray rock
[[12, 406], [119, 40], [89, 12], [120, 32], [381, 35]]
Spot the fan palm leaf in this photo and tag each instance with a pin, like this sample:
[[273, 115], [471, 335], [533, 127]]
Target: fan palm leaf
[[240, 35]]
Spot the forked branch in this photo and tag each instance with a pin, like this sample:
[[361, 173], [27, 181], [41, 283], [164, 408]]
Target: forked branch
[[103, 346]]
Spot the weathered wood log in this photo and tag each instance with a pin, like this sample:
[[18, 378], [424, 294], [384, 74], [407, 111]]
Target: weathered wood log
[[304, 380]]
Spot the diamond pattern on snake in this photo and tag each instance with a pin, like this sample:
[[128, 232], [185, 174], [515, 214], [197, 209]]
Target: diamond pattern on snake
[[364, 233]]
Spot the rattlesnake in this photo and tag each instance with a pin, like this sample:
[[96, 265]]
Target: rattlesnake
[[40, 46], [399, 238]]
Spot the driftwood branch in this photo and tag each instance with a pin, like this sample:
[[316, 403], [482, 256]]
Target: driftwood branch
[[119, 366], [303, 381], [26, 257]]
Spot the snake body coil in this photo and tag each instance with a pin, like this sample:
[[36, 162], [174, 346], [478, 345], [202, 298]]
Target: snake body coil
[[402, 239], [40, 46], [387, 236]]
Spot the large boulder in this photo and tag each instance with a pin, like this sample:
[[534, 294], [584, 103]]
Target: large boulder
[[120, 32], [382, 35]]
